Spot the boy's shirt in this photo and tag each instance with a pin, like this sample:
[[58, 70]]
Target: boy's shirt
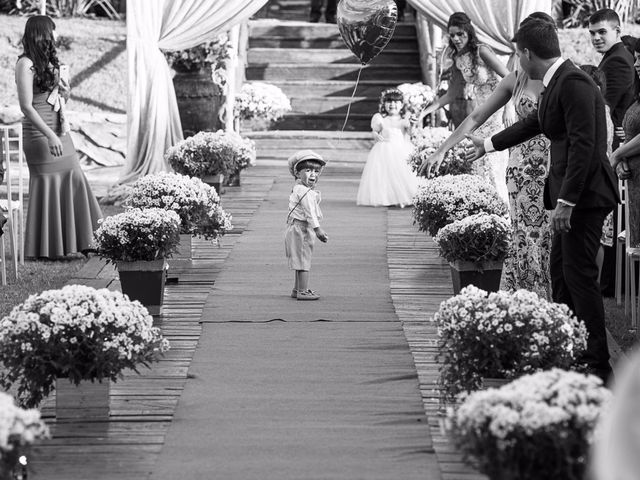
[[305, 206]]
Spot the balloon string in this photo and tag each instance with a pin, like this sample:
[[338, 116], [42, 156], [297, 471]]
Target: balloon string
[[351, 99]]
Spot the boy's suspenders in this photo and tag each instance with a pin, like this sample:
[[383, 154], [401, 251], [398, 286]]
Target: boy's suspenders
[[296, 205]]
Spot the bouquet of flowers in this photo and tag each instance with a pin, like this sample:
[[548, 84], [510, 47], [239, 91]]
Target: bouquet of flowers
[[138, 234], [78, 333], [537, 427], [261, 100], [476, 238], [211, 153], [503, 335], [197, 203], [416, 97], [212, 53], [19, 428], [442, 200], [454, 162]]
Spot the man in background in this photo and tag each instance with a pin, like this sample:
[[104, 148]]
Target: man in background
[[619, 89]]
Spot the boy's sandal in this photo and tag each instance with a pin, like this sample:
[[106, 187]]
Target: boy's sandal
[[307, 295], [294, 293]]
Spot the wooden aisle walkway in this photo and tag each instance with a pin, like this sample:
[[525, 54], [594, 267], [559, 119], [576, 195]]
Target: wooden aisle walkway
[[420, 279], [142, 406]]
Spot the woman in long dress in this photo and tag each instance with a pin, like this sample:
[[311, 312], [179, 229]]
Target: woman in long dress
[[527, 265], [626, 161], [62, 212], [481, 70]]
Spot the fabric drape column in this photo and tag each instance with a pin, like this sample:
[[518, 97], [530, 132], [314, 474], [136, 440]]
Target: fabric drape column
[[153, 121]]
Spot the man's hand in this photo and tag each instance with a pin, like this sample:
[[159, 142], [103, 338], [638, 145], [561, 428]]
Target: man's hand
[[322, 236], [478, 148], [561, 218]]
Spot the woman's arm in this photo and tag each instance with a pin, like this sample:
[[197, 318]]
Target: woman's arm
[[492, 61], [24, 81], [439, 102], [626, 150], [480, 114]]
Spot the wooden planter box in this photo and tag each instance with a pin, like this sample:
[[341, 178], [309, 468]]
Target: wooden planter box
[[485, 275], [182, 259], [144, 281], [215, 181]]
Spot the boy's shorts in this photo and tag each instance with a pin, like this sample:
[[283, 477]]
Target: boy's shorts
[[298, 244]]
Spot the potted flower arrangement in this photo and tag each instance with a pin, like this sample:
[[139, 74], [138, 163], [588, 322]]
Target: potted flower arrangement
[[503, 335], [200, 82], [538, 427], [442, 200], [475, 248], [19, 428], [197, 204], [74, 335], [429, 136], [416, 98], [454, 163], [260, 101], [138, 241], [208, 155]]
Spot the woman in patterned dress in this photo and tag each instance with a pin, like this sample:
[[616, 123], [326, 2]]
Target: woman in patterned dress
[[626, 161], [481, 70], [527, 265]]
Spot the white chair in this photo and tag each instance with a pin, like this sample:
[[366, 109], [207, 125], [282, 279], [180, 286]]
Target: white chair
[[632, 263], [13, 204], [620, 241]]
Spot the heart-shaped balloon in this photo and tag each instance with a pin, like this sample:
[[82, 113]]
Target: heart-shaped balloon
[[366, 26]]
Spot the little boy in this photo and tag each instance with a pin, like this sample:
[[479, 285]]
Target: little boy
[[303, 220]]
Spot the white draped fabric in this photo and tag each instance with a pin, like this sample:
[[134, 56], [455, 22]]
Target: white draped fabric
[[153, 121], [495, 21]]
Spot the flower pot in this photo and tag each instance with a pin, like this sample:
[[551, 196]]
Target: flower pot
[[144, 281], [491, 382], [182, 259], [234, 179], [215, 181], [85, 401], [199, 100], [484, 275]]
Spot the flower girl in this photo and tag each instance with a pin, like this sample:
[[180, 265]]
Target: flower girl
[[387, 178]]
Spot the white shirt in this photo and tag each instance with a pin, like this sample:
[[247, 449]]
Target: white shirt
[[304, 205]]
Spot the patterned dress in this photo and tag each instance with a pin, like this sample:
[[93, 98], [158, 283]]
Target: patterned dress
[[481, 81], [631, 126], [528, 263]]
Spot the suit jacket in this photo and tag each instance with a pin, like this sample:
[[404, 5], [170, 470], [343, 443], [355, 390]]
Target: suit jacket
[[617, 66], [571, 114]]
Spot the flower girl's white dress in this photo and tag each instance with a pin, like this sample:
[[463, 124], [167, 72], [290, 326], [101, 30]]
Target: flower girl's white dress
[[387, 178]]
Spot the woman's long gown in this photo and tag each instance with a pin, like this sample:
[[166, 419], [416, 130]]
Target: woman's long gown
[[387, 178], [528, 263], [631, 126], [62, 211], [483, 81]]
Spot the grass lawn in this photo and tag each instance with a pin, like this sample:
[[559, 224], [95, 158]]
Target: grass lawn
[[36, 276], [96, 58]]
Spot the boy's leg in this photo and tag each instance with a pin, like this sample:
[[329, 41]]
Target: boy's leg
[[302, 277]]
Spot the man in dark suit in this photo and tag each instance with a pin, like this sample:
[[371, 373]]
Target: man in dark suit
[[581, 188], [616, 64], [620, 76]]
